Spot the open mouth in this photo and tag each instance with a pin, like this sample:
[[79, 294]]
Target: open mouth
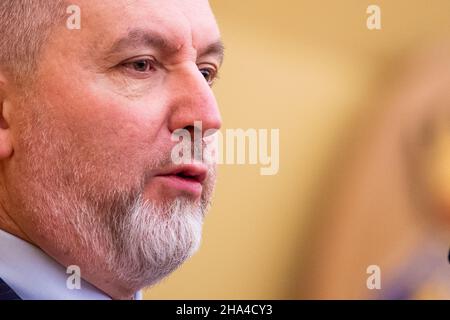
[[191, 175], [185, 179]]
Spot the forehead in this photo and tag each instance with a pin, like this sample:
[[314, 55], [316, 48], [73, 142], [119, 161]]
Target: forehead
[[183, 22]]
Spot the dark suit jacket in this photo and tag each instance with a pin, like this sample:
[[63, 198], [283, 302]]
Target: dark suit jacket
[[6, 293]]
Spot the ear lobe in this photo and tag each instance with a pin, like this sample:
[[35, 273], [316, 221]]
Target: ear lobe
[[6, 147]]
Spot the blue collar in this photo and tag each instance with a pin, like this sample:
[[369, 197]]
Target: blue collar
[[33, 275]]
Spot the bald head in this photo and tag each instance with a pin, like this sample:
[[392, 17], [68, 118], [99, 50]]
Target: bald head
[[24, 27]]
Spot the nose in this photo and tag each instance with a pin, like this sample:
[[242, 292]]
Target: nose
[[192, 100]]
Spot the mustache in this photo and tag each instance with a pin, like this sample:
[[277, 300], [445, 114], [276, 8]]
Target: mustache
[[165, 160]]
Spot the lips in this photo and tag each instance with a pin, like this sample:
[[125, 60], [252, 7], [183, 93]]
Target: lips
[[187, 179], [194, 173]]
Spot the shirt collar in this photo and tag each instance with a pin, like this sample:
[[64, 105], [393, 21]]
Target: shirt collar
[[33, 275]]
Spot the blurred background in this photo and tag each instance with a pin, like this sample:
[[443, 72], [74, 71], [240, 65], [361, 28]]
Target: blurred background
[[364, 178]]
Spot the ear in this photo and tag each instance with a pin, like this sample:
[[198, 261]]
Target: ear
[[6, 147]]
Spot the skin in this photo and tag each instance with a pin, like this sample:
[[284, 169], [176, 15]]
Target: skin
[[115, 104]]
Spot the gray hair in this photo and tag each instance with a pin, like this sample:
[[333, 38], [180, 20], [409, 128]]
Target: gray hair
[[25, 25]]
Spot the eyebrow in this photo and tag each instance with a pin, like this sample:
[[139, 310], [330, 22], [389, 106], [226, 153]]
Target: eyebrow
[[139, 37], [215, 49]]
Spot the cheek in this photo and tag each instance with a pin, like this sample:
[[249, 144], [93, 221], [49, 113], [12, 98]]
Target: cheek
[[113, 119], [113, 137]]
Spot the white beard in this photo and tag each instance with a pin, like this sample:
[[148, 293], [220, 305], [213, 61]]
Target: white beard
[[139, 242], [152, 241]]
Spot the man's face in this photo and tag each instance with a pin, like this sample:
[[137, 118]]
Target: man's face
[[91, 177]]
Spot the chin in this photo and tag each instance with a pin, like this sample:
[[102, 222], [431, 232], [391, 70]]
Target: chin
[[153, 240]]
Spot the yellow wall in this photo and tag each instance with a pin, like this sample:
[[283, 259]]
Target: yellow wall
[[307, 68]]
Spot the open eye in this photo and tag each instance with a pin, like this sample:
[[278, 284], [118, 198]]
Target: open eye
[[140, 66], [210, 74]]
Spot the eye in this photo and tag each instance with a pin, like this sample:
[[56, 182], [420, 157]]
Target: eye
[[140, 66], [210, 74]]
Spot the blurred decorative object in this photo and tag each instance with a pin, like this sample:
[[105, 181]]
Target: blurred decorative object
[[437, 167], [390, 204]]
